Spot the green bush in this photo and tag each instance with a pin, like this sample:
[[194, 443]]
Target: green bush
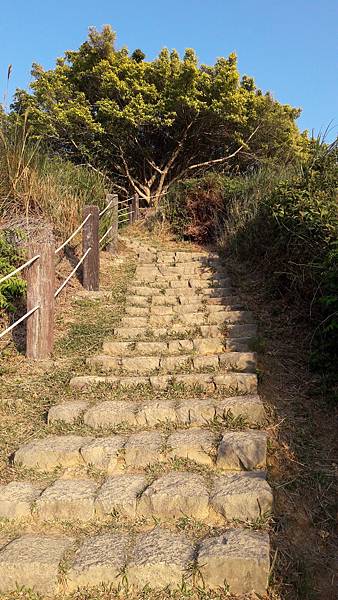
[[283, 221], [13, 288]]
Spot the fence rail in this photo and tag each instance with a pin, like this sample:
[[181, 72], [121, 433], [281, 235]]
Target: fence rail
[[40, 274]]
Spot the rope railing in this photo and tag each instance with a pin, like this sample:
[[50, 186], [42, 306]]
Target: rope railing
[[72, 273], [25, 316], [40, 290], [19, 269], [77, 230], [105, 234], [106, 209]]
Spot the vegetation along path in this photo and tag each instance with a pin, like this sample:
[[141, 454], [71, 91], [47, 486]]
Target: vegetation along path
[[152, 473]]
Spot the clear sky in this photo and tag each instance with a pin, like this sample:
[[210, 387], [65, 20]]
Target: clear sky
[[288, 46]]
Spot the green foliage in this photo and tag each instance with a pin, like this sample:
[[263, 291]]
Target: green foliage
[[149, 123], [283, 221], [13, 288]]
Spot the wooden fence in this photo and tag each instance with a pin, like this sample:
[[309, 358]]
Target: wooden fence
[[40, 269]]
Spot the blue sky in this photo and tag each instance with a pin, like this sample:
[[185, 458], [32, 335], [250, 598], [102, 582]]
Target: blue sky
[[288, 46]]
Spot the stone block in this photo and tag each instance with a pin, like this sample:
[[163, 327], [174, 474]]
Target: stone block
[[152, 413], [250, 407], [137, 311], [244, 496], [174, 495], [160, 382], [104, 453], [117, 348], [162, 310], [144, 448], [210, 361], [171, 363], [244, 383], [239, 558], [134, 322], [50, 452], [239, 361], [119, 495], [17, 499], [160, 559], [160, 320], [32, 561], [141, 364], [104, 362], [99, 561], [196, 412], [147, 348], [68, 412], [198, 445], [240, 450], [207, 346], [67, 500], [110, 413], [200, 380], [178, 346]]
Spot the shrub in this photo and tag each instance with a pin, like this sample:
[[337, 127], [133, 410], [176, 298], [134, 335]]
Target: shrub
[[13, 288]]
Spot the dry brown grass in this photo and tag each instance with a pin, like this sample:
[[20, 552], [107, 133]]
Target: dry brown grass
[[303, 447]]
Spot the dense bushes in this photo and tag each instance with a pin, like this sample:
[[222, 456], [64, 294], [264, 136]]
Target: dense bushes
[[286, 223]]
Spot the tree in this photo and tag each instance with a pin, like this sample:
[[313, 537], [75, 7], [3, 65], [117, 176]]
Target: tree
[[150, 123]]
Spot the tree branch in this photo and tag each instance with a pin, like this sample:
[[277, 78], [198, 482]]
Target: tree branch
[[216, 161]]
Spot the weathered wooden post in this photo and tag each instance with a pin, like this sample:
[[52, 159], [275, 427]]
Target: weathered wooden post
[[40, 292], [135, 207], [114, 224], [130, 212], [90, 239]]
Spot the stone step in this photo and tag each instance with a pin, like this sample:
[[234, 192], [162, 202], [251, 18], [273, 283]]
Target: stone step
[[196, 301], [244, 496], [158, 559], [203, 346], [153, 413], [194, 318], [211, 292], [230, 383], [145, 365], [177, 281], [135, 310], [144, 333]]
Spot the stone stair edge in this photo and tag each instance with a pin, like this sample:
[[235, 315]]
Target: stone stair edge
[[160, 558]]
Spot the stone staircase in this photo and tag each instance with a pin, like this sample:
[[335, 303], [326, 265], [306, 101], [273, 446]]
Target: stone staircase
[[168, 459]]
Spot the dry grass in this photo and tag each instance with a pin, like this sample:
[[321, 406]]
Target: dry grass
[[34, 185], [302, 448]]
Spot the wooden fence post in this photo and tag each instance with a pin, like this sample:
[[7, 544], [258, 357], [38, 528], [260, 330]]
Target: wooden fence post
[[114, 215], [135, 207], [90, 239], [130, 212], [40, 292]]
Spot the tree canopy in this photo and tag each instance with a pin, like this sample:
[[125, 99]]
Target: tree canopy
[[149, 123]]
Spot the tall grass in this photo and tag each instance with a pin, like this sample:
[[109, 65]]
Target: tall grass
[[36, 185]]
